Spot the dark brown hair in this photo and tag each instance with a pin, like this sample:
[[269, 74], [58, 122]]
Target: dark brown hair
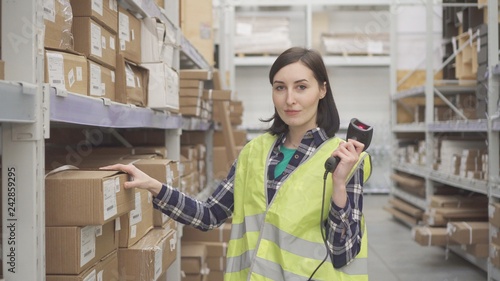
[[328, 115]]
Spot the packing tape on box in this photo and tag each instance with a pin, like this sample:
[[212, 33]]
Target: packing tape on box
[[428, 232], [470, 231], [60, 169]]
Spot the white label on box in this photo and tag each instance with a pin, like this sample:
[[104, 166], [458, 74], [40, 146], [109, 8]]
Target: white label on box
[[87, 246], [95, 40], [71, 77], [99, 275], [79, 73], [91, 276], [112, 43], [132, 34], [110, 208], [243, 29], [113, 5], [136, 214], [95, 80], [117, 185], [103, 41], [123, 27], [97, 6], [130, 78], [49, 10], [98, 230], [158, 262], [123, 46], [112, 76], [55, 63], [133, 231], [118, 224]]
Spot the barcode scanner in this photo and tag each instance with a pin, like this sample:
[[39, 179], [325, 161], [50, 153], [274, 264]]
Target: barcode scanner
[[357, 130], [361, 132]]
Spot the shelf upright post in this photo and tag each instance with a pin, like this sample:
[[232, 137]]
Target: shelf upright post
[[23, 147], [226, 46], [429, 96], [393, 37], [493, 107]]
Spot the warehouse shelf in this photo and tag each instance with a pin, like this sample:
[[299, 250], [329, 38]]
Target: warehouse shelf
[[83, 110], [409, 128], [479, 125], [413, 169], [190, 57], [196, 124], [18, 102], [495, 191], [446, 89], [410, 198], [328, 60], [479, 262], [475, 185]]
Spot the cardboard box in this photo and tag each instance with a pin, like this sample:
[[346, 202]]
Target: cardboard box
[[66, 71], [73, 249], [129, 36], [163, 88], [215, 275], [494, 214], [101, 81], [220, 234], [105, 12], [131, 82], [163, 170], [218, 95], [240, 138], [158, 42], [191, 84], [431, 236], [57, 19], [216, 263], [79, 198], [136, 223], [95, 41], [193, 257], [477, 250], [150, 257], [495, 255], [106, 269], [468, 233], [195, 74], [196, 21]]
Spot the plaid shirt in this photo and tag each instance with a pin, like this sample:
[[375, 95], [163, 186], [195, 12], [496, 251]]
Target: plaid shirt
[[343, 227]]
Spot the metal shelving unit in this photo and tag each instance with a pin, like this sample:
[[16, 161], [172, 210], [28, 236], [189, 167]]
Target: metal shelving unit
[[28, 107], [487, 127], [329, 61]]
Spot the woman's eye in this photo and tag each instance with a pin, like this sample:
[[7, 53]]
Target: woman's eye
[[278, 88], [302, 87]]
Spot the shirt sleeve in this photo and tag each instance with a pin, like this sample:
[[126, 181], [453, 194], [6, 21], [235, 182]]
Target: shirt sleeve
[[343, 227], [203, 215]]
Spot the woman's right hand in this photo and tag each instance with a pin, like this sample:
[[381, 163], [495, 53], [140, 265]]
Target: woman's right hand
[[139, 179]]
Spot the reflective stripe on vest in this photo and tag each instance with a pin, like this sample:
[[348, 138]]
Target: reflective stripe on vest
[[282, 241]]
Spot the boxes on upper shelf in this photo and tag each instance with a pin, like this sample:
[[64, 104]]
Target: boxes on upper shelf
[[105, 12], [58, 17], [163, 88], [95, 41], [196, 24], [67, 71], [131, 82], [129, 36], [101, 81], [157, 42]]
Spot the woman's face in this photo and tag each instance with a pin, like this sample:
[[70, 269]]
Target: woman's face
[[296, 94]]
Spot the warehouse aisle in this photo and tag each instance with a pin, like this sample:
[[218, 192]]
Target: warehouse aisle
[[394, 256]]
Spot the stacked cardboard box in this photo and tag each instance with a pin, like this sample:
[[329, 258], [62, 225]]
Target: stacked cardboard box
[[193, 261], [58, 19], [494, 220], [196, 154], [194, 100], [261, 35], [462, 158], [157, 43], [215, 242], [82, 213]]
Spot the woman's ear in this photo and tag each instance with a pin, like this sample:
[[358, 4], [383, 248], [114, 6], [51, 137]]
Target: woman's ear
[[322, 90]]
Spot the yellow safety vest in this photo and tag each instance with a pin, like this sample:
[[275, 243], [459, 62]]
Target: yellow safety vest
[[282, 241]]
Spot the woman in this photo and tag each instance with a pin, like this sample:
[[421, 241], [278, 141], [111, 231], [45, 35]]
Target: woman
[[274, 189]]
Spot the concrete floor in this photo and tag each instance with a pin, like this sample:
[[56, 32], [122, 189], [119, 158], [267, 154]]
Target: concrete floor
[[394, 256]]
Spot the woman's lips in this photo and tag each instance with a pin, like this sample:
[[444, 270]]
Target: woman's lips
[[292, 112]]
